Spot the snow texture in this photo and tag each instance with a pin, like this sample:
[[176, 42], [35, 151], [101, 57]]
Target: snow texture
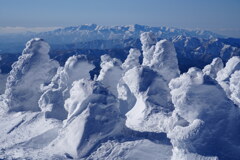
[[149, 84], [211, 117], [33, 69], [213, 68], [94, 116], [235, 87], [110, 73], [132, 59], [129, 111], [224, 76], [53, 99]]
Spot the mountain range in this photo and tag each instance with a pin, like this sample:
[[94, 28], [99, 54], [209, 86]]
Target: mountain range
[[194, 48], [93, 32]]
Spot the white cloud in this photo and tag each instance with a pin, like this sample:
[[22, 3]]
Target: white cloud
[[5, 30]]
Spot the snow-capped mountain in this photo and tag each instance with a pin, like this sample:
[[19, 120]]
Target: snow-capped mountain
[[141, 108], [194, 48], [95, 32], [92, 32], [197, 52]]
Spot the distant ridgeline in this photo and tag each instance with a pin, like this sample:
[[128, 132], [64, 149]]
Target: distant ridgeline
[[194, 48]]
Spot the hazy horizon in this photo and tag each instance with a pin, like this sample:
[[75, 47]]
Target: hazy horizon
[[219, 16]]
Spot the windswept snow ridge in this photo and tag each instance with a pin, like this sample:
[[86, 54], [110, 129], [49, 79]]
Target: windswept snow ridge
[[130, 110]]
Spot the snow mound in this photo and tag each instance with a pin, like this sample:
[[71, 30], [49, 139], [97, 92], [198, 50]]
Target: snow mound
[[33, 69]]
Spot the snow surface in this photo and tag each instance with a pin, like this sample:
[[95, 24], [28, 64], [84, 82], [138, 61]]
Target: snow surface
[[129, 111], [140, 149]]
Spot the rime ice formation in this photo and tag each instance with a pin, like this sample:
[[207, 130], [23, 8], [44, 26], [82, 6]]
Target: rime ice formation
[[148, 41], [52, 100], [210, 116], [159, 56], [79, 92], [132, 60], [144, 83], [111, 73], [126, 97], [232, 65], [213, 68], [235, 87], [129, 111], [33, 69], [224, 75], [149, 84], [94, 117]]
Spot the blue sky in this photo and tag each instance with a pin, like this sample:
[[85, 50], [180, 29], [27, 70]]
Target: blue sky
[[222, 16]]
